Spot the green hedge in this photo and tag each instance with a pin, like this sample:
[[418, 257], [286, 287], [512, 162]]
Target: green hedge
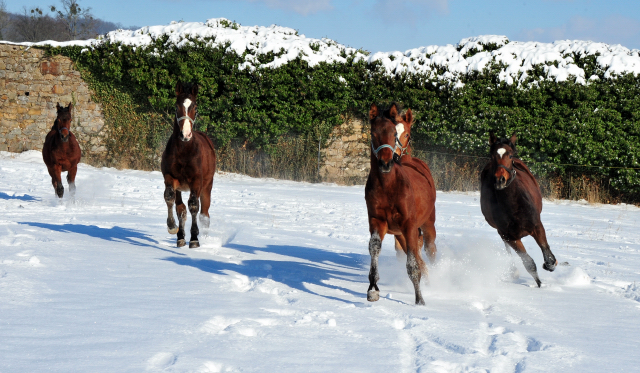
[[558, 124]]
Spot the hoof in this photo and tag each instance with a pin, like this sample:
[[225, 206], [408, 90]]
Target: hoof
[[550, 267], [181, 243], [373, 295], [172, 230], [194, 244], [420, 302], [538, 282]]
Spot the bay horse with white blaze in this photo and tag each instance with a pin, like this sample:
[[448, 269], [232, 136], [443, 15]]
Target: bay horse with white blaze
[[188, 165], [511, 202], [400, 196], [61, 151]]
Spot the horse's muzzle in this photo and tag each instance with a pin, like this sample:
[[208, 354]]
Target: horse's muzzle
[[385, 167], [64, 138], [183, 138], [500, 183]]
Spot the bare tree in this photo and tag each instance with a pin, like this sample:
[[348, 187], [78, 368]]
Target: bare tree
[[4, 19], [79, 22]]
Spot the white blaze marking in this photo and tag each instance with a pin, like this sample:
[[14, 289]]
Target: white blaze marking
[[501, 152], [400, 129], [186, 128]]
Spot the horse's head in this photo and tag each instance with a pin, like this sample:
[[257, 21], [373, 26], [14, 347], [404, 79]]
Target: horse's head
[[385, 127], [404, 132], [63, 121], [502, 153], [186, 109]]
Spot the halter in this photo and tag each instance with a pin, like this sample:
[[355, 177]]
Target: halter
[[397, 145], [193, 121], [511, 172]]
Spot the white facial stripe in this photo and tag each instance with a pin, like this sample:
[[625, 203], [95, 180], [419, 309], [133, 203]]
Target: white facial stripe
[[501, 152], [400, 129], [186, 128]]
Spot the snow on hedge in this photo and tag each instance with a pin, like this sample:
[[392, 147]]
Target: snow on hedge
[[469, 55]]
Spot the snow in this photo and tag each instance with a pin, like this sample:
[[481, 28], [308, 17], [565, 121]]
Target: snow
[[95, 283], [468, 56]]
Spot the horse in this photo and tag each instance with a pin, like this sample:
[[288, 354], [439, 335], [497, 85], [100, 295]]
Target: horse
[[511, 203], [61, 151], [400, 199], [188, 164]]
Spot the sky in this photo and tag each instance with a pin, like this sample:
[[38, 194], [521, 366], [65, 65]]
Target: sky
[[389, 25]]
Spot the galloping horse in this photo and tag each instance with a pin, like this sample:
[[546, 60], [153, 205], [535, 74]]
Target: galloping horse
[[188, 164], [511, 202], [400, 199], [61, 151]]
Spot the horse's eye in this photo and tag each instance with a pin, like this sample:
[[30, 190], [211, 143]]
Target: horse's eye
[[510, 156]]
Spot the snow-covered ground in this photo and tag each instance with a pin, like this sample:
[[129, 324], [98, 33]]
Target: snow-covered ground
[[95, 284]]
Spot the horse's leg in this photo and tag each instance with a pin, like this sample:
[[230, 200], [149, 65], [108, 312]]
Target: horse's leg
[[529, 264], [56, 180], [194, 207], [401, 247], [378, 230], [205, 203], [415, 265], [170, 199], [540, 236], [181, 211], [429, 233], [71, 179]]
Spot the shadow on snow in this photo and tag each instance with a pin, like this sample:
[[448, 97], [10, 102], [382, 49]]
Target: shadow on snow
[[25, 198], [114, 234], [317, 268]]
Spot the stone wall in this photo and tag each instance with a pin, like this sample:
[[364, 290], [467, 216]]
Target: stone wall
[[346, 159], [31, 85]]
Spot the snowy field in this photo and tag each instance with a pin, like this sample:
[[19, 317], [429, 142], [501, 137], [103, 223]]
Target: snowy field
[[96, 284]]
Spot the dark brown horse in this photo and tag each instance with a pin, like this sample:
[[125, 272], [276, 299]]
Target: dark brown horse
[[188, 165], [511, 202], [400, 199], [61, 151]]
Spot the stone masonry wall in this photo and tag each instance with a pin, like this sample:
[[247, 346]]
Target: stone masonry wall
[[346, 160], [31, 85]]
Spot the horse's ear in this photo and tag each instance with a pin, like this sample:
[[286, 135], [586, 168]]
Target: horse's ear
[[194, 90], [492, 138], [408, 117], [179, 88], [513, 139], [373, 112], [393, 111], [70, 106], [58, 107]]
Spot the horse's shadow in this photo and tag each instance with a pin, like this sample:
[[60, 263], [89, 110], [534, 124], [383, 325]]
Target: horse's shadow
[[318, 268], [25, 198], [114, 234]]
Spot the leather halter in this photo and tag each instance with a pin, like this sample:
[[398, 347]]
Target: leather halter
[[393, 148], [187, 117], [512, 173]]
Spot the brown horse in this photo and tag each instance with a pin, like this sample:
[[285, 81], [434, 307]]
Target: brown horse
[[511, 202], [400, 200], [61, 151], [188, 164]]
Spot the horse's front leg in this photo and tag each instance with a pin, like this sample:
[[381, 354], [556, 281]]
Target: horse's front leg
[[170, 199], [540, 236], [529, 264], [415, 265], [194, 207], [56, 179], [71, 179], [378, 230]]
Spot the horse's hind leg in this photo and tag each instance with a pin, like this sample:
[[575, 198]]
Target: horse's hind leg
[[71, 179], [205, 203], [170, 199], [529, 264], [181, 210], [194, 207], [401, 247], [429, 234], [378, 230], [540, 236], [513, 270]]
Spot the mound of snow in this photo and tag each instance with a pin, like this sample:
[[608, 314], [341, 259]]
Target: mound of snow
[[468, 56]]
